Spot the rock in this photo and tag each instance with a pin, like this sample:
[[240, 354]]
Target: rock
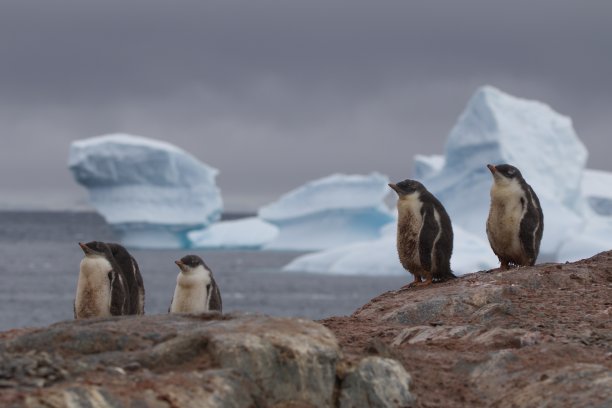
[[482, 302], [575, 385], [378, 383], [420, 334], [531, 336], [185, 360]]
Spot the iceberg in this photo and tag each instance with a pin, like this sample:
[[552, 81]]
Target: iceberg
[[245, 233], [497, 128], [380, 258], [151, 192], [596, 188], [332, 211]]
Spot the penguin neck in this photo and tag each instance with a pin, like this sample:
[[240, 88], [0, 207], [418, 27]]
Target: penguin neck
[[194, 276], [409, 206], [95, 265], [503, 189]]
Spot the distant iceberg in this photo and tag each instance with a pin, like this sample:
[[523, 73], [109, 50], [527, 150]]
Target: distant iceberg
[[151, 192], [498, 128], [379, 257], [244, 233], [335, 210]]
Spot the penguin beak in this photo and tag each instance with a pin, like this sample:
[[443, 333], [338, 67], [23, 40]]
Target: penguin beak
[[492, 168], [85, 248], [395, 188], [180, 264]]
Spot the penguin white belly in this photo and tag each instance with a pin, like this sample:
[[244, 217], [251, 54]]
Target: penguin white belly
[[411, 223], [93, 296], [504, 222], [190, 295]]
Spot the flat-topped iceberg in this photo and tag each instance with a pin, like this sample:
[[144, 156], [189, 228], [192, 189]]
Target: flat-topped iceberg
[[151, 192], [332, 211]]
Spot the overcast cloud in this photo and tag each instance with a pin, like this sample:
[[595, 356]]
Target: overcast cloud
[[275, 93]]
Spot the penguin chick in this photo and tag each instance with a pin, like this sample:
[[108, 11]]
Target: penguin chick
[[196, 290], [516, 223], [132, 275], [102, 289], [424, 233]]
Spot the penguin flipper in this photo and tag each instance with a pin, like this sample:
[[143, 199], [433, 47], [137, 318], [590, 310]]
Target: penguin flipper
[[119, 294], [215, 297], [427, 236], [132, 277], [531, 227], [139, 289]]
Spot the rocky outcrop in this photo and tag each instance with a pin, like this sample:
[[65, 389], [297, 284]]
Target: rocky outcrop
[[536, 336], [205, 360], [527, 337]]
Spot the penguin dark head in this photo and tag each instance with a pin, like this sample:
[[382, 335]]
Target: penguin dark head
[[94, 248], [189, 262], [407, 187], [505, 171]]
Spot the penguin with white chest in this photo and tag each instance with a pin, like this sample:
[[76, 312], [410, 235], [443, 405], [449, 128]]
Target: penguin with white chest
[[516, 222], [424, 234], [196, 290], [109, 282]]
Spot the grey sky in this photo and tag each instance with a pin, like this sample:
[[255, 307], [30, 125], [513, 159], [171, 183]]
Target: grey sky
[[275, 93]]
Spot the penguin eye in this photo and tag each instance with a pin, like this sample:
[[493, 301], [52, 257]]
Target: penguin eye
[[511, 172]]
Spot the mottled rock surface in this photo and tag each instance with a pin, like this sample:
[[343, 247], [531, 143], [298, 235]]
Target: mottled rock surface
[[529, 337], [378, 383], [171, 361]]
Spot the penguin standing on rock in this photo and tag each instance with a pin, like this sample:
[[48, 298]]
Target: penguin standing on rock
[[196, 290], [516, 222], [424, 234], [109, 282]]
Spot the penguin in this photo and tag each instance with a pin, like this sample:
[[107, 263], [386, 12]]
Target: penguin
[[132, 275], [516, 222], [109, 284], [424, 234], [196, 290]]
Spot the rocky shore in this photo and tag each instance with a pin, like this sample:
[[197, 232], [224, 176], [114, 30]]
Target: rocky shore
[[536, 336]]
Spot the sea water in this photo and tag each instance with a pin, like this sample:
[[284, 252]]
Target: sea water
[[39, 267]]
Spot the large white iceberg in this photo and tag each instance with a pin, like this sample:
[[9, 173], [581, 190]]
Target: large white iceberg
[[151, 192], [332, 211], [498, 128]]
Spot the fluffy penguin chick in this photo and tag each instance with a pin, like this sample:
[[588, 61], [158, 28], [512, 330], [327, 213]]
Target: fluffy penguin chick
[[424, 233], [101, 288], [196, 290], [516, 223]]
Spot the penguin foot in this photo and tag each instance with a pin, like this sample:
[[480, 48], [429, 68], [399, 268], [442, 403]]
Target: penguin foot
[[424, 283], [414, 283]]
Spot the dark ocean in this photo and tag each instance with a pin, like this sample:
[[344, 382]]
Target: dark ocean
[[39, 266]]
